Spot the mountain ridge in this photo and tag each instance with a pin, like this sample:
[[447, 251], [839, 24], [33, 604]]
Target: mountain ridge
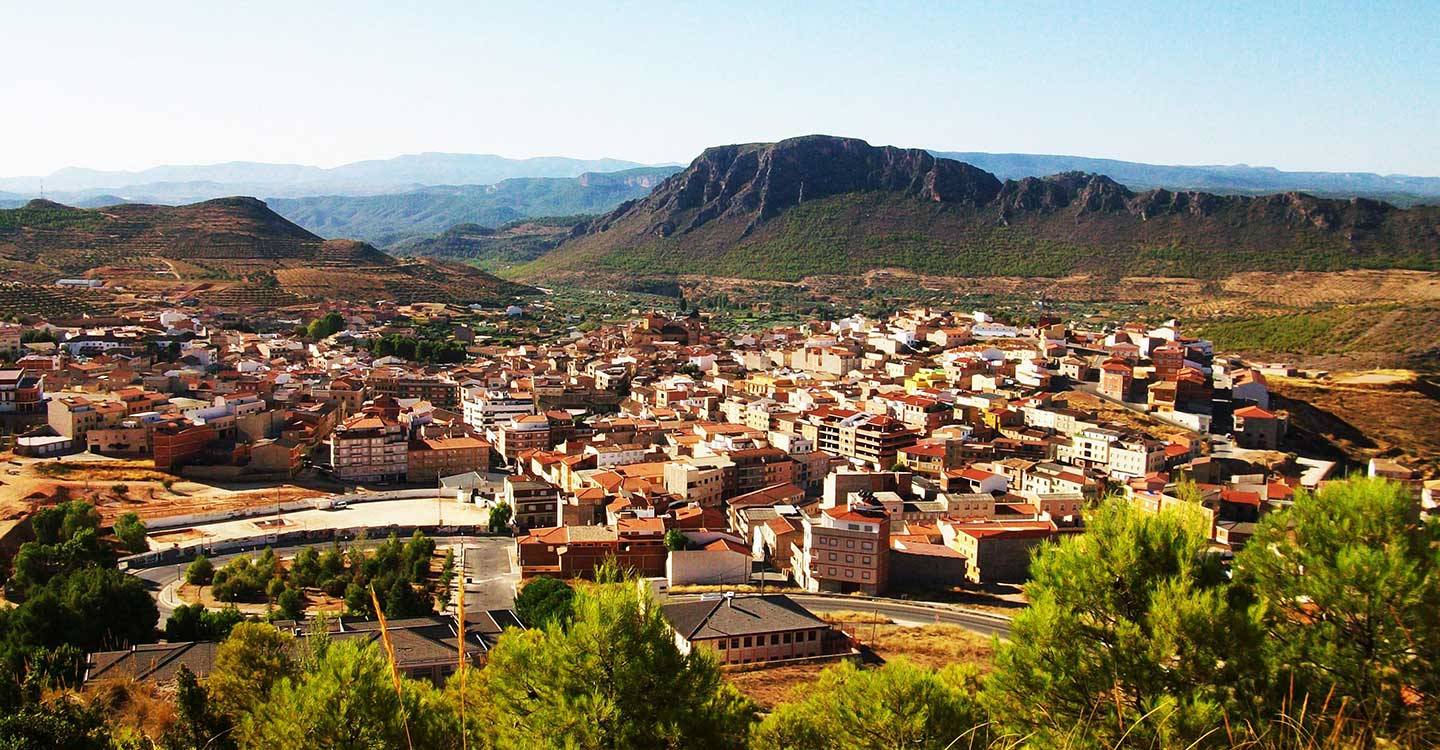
[[790, 208]]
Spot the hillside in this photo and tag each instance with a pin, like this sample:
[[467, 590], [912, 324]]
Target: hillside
[[494, 249], [389, 219], [826, 205], [228, 251]]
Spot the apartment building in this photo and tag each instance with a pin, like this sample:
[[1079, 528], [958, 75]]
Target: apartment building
[[844, 549], [431, 458], [522, 433], [485, 408], [535, 502], [871, 439], [369, 448]]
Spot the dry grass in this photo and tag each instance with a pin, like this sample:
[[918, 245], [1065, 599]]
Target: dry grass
[[933, 646], [1364, 419]]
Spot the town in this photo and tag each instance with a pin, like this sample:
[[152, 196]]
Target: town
[[921, 455]]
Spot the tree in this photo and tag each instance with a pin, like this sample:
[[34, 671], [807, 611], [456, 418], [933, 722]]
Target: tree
[[60, 723], [247, 664], [348, 700], [543, 601], [193, 622], [595, 684], [105, 609], [200, 572], [1132, 632], [899, 705], [291, 603], [130, 530], [675, 540], [1350, 583], [196, 724], [500, 516]]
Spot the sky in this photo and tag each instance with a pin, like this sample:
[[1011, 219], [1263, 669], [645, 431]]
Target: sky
[[1303, 86]]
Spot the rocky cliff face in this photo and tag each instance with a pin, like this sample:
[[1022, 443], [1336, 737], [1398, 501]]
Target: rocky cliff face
[[759, 181]]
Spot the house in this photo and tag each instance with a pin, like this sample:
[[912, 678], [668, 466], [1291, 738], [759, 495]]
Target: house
[[369, 447], [752, 629], [1257, 428], [576, 551], [425, 648]]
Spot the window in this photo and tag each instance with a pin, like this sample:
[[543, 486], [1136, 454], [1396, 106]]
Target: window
[[720, 644], [849, 573], [865, 575], [850, 559], [832, 571], [867, 546], [747, 641], [853, 526], [865, 560], [774, 639], [849, 544], [787, 638], [734, 643], [811, 637]]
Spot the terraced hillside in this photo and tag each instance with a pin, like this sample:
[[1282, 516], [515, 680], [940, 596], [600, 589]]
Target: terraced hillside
[[247, 254]]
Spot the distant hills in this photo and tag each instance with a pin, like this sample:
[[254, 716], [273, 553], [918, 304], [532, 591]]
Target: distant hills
[[829, 205], [183, 184], [1225, 179], [390, 219], [231, 251]]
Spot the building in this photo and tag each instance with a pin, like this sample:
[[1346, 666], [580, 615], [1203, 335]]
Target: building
[[844, 549], [484, 408], [440, 390], [871, 439], [1257, 428], [176, 441], [523, 432], [1116, 377], [73, 415], [997, 552], [429, 459], [535, 503], [752, 629], [576, 551], [369, 448], [22, 392]]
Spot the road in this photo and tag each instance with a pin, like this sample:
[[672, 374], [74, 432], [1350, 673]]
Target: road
[[486, 558], [900, 612]]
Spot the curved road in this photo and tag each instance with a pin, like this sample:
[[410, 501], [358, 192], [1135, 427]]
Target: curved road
[[157, 578]]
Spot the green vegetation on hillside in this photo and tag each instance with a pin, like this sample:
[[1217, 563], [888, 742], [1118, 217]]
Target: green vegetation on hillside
[[856, 232]]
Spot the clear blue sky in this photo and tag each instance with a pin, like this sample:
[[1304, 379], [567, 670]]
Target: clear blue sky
[[1305, 85]]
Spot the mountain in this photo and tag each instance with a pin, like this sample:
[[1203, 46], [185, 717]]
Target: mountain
[[1232, 179], [233, 251], [828, 205], [388, 219], [170, 184]]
